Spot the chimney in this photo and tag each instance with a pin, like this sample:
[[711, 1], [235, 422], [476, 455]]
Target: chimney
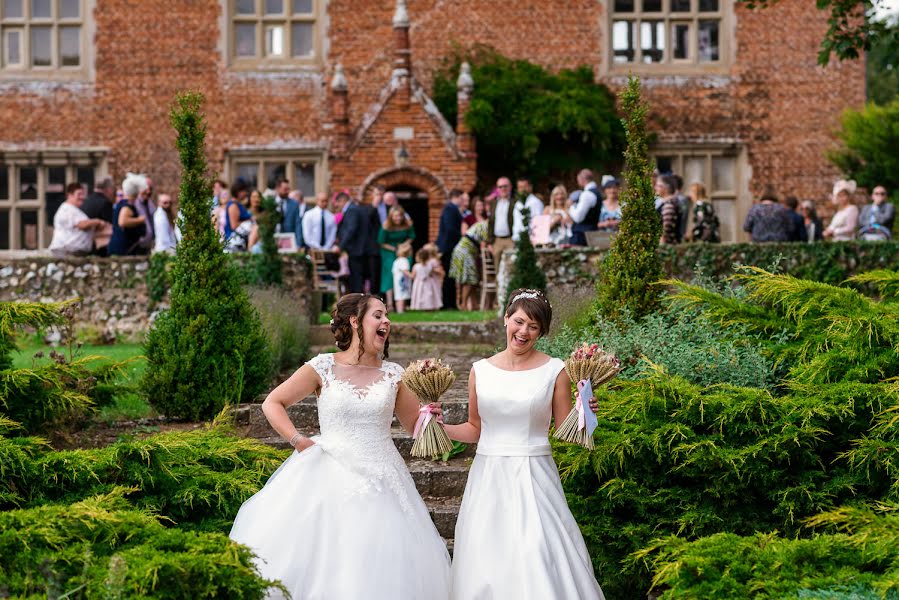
[[464, 87], [340, 110], [402, 63]]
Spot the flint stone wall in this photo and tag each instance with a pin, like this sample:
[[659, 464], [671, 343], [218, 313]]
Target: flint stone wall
[[115, 300]]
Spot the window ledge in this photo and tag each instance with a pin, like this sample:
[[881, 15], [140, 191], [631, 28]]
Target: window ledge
[[44, 83], [655, 78]]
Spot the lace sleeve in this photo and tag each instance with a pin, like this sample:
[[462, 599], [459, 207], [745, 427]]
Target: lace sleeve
[[322, 365], [393, 372]]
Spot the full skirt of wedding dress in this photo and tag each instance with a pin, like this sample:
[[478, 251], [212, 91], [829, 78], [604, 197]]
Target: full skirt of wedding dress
[[328, 532], [516, 537]]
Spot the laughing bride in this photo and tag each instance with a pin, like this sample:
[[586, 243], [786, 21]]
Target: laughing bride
[[341, 518]]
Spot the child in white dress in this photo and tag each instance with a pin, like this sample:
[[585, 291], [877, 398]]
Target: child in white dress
[[402, 276]]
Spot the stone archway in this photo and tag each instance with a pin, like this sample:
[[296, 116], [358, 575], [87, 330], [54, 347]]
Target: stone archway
[[416, 178]]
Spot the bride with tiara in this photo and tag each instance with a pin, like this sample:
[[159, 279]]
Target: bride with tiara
[[515, 536], [341, 518]]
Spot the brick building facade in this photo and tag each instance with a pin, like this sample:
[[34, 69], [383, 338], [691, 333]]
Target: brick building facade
[[737, 99]]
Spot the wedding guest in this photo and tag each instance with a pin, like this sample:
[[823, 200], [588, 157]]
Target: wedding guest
[[514, 506], [669, 210], [500, 226], [464, 264], [377, 201], [356, 237], [876, 220], [610, 213], [236, 214], [98, 205], [468, 216], [448, 235], [427, 279], [341, 518], [146, 207], [402, 276], [73, 231], [683, 204], [394, 231], [128, 226], [768, 221], [531, 202], [584, 208], [797, 223], [844, 223], [706, 227], [319, 226], [560, 225], [254, 204], [480, 209], [291, 211], [165, 225], [218, 213], [813, 226]]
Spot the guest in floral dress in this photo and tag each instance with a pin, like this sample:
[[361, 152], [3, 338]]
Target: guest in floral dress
[[464, 264], [427, 279]]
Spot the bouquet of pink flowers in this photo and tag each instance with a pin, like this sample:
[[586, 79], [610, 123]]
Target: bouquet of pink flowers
[[429, 379], [589, 367]]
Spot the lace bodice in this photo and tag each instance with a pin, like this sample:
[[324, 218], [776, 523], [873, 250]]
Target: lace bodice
[[355, 411], [515, 408]]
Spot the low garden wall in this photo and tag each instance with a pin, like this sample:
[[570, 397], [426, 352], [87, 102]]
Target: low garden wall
[[571, 271], [120, 296]]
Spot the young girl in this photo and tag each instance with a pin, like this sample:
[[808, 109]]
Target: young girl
[[427, 279], [402, 276]]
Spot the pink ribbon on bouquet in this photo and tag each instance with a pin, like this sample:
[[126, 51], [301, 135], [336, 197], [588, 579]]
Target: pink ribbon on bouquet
[[424, 417], [585, 417]]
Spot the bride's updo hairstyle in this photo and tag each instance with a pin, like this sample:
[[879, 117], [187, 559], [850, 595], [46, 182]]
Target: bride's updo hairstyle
[[351, 305], [535, 306]]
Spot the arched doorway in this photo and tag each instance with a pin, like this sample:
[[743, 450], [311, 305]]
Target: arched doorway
[[415, 202], [419, 191]]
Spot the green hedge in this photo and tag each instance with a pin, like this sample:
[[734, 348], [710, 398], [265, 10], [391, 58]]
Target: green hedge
[[831, 262], [102, 547]]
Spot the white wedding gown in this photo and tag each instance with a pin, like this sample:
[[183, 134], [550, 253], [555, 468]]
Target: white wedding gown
[[515, 536], [342, 520]]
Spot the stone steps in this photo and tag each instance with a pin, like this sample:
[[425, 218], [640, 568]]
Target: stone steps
[[486, 332]]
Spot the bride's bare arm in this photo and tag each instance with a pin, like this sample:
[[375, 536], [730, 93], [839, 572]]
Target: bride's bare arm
[[303, 382], [561, 397], [470, 431], [406, 407]]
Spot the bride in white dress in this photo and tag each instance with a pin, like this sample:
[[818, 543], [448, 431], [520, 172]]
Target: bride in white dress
[[515, 536], [341, 518]]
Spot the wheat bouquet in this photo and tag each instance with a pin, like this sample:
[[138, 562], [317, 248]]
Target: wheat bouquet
[[589, 367], [429, 379]]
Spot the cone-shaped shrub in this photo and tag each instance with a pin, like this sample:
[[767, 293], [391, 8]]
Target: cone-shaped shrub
[[209, 348], [526, 273], [632, 265]]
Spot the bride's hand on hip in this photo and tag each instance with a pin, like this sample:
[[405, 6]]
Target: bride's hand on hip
[[303, 443]]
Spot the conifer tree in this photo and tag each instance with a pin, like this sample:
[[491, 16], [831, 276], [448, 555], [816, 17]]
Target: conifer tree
[[526, 273], [209, 348], [632, 266]]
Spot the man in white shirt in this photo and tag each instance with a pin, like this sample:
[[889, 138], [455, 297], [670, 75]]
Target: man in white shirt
[[73, 231], [499, 226], [585, 210], [532, 202], [319, 227]]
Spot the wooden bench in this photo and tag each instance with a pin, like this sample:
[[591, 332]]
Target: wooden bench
[[488, 279]]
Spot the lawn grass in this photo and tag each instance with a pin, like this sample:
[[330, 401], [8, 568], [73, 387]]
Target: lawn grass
[[430, 316], [128, 405]]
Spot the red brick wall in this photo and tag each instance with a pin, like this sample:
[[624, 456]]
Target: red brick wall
[[775, 100]]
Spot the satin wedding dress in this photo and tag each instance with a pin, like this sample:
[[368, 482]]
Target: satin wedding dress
[[515, 536], [342, 520]]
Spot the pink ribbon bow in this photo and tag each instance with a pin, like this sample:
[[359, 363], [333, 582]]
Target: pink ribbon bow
[[424, 417], [585, 420]]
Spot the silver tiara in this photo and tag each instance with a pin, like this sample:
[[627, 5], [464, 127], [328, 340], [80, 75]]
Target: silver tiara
[[531, 295]]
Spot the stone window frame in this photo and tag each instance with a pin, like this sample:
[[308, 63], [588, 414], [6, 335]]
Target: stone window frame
[[24, 26], [669, 65], [290, 158], [73, 161], [259, 62], [730, 205]]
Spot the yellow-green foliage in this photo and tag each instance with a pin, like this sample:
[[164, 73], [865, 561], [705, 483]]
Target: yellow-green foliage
[[197, 478], [102, 547], [679, 462], [856, 556]]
